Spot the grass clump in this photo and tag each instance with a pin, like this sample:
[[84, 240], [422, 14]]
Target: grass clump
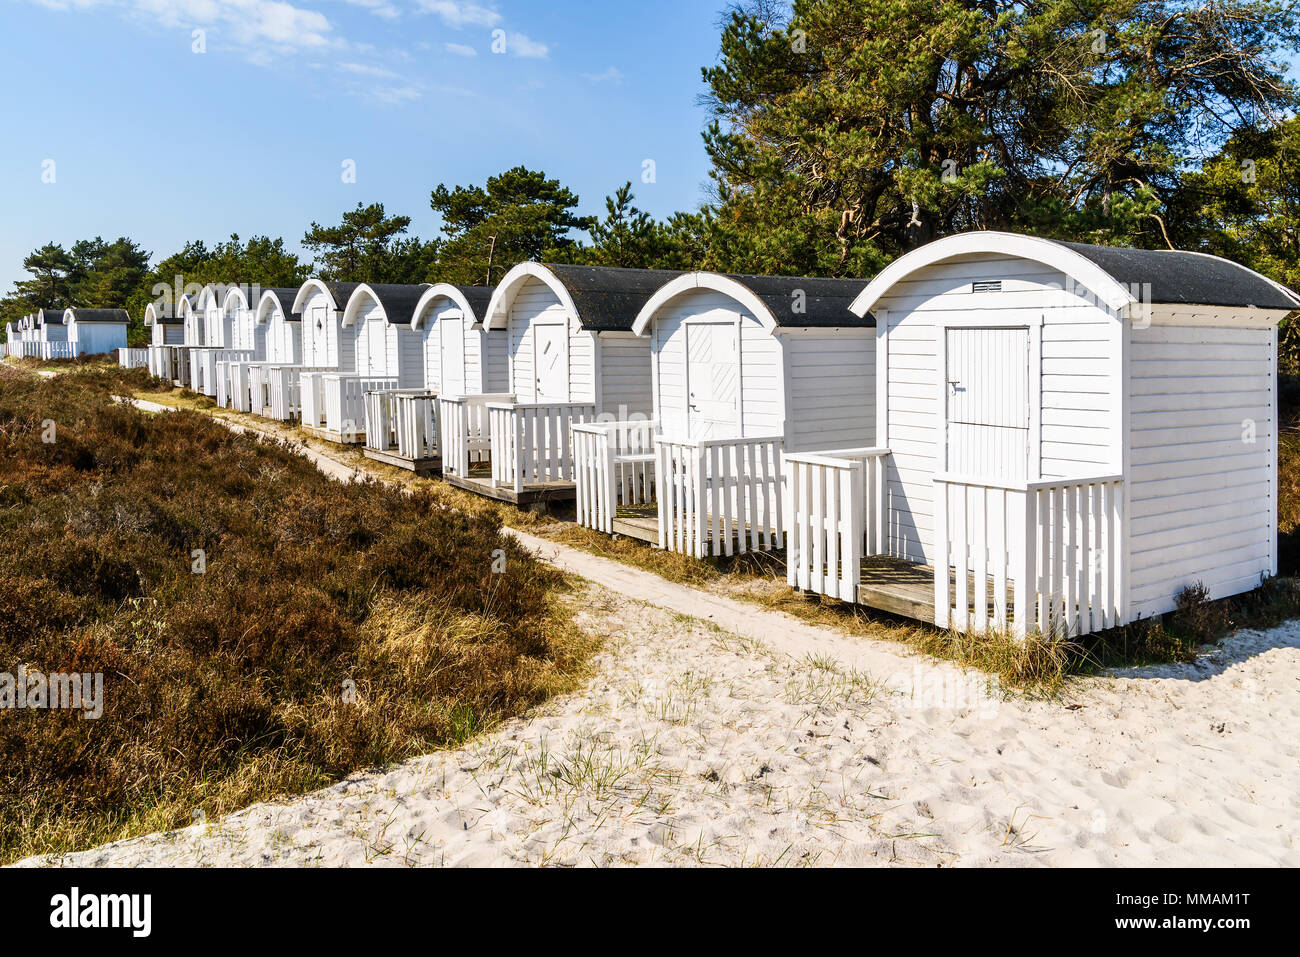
[[333, 627]]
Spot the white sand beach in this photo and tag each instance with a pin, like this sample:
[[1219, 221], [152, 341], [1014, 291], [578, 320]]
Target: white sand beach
[[694, 745]]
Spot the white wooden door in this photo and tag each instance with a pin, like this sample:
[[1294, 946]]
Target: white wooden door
[[451, 355], [712, 380], [316, 338], [551, 361], [376, 333], [987, 383]]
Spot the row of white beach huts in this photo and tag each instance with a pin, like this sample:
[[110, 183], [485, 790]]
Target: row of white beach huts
[[66, 333], [997, 432]]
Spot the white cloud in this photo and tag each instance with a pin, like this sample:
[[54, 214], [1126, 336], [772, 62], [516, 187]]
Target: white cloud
[[399, 94], [247, 22], [460, 13], [518, 44], [380, 8], [612, 75], [460, 49], [365, 69]]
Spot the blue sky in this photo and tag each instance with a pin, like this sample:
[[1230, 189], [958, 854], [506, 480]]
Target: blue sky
[[152, 140]]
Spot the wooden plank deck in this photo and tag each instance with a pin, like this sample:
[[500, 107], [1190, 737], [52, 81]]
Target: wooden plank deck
[[898, 587], [640, 522], [533, 493], [418, 466], [904, 588], [354, 438]]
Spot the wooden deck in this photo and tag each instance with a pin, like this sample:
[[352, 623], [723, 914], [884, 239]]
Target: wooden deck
[[533, 493], [898, 587], [640, 522], [888, 584], [904, 588], [354, 438], [418, 466]]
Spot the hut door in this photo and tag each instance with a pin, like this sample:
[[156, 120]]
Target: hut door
[[451, 356], [987, 384], [550, 355], [376, 346], [712, 380]]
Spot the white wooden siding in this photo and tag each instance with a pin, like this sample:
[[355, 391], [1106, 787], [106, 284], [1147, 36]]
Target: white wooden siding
[[625, 374], [494, 353], [1201, 493], [832, 377]]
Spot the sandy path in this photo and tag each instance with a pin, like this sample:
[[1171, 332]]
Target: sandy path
[[692, 745]]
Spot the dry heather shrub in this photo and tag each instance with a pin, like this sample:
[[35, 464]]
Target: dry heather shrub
[[234, 685]]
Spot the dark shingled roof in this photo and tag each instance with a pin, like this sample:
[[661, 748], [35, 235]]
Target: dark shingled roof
[[478, 298], [49, 315], [398, 302], [285, 298], [1178, 277], [162, 314], [608, 299], [826, 301], [341, 291], [101, 315]]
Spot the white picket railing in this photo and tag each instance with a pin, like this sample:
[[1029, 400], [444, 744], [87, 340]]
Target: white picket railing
[[345, 410], [311, 399], [416, 425], [281, 385], [133, 358], [203, 368], [40, 349], [195, 370], [223, 384], [614, 465], [241, 390], [836, 518], [181, 357], [259, 386], [404, 421], [465, 430], [719, 496], [531, 442], [160, 362], [1054, 544]]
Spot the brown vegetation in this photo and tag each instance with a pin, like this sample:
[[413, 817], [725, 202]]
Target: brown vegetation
[[235, 685]]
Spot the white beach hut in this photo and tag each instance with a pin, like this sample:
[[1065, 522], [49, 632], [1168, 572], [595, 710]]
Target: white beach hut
[[572, 356], [320, 304], [281, 334], [1069, 435], [44, 336], [167, 329], [386, 356], [457, 357], [160, 330], [95, 331], [245, 342], [164, 328], [744, 369], [218, 334]]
